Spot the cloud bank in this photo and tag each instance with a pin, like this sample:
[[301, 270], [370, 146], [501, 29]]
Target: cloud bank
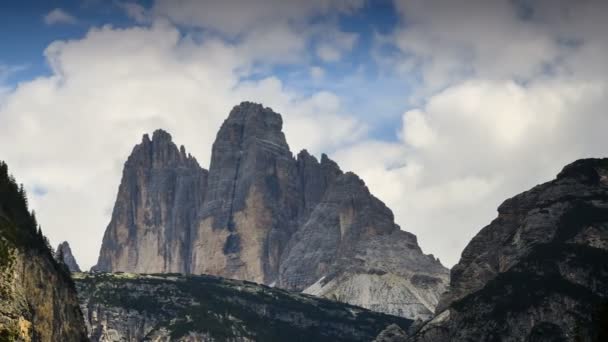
[[496, 97]]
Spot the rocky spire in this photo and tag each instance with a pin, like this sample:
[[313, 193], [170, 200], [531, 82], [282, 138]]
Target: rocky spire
[[64, 254], [160, 194], [253, 198]]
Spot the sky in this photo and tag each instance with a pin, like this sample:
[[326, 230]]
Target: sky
[[444, 108]]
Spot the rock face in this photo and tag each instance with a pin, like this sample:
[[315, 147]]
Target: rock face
[[538, 272], [38, 300], [161, 191], [64, 254], [129, 307], [263, 215], [351, 250], [252, 198]]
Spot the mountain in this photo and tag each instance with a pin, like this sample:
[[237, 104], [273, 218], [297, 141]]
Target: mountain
[[163, 307], [161, 191], [38, 300], [351, 250], [64, 254], [260, 214], [539, 271]]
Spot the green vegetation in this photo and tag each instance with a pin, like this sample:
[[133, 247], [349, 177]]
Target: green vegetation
[[19, 228], [8, 335], [225, 309]]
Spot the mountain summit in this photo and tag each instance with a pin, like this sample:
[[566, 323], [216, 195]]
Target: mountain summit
[[539, 271], [263, 215], [64, 254]]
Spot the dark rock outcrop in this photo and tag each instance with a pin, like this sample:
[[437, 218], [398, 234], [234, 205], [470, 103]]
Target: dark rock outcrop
[[64, 254], [160, 194], [38, 300], [538, 272], [262, 215], [167, 307], [392, 333]]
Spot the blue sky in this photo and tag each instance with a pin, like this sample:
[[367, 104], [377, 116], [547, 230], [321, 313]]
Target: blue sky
[[25, 52], [444, 109]]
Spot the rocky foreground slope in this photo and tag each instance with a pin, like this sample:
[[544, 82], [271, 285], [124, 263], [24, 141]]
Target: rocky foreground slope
[[538, 272], [263, 215], [168, 307], [37, 297]]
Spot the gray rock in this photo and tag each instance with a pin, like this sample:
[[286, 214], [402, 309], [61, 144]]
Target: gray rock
[[351, 250], [392, 333], [253, 198], [64, 254], [160, 195], [262, 215], [129, 307], [538, 272]]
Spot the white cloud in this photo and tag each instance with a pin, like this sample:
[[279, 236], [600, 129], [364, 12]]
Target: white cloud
[[317, 73], [499, 104], [328, 53], [75, 128], [135, 11], [503, 104], [475, 145], [333, 44], [59, 16], [235, 17]]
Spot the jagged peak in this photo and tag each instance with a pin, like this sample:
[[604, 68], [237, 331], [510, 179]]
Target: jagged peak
[[328, 162], [160, 150], [324, 162], [589, 170], [304, 154], [161, 135], [64, 254], [250, 112]]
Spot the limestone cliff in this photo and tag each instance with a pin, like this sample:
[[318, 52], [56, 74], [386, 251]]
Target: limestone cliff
[[350, 249], [161, 191], [129, 307], [64, 254], [263, 215], [37, 296], [539, 271], [252, 198]]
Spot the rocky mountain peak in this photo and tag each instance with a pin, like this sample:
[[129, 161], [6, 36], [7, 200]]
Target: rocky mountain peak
[[262, 215], [64, 254], [161, 136], [251, 124], [537, 270], [158, 200], [591, 171], [159, 152]]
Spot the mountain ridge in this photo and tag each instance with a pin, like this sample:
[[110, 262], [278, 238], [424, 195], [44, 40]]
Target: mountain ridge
[[538, 271], [244, 217]]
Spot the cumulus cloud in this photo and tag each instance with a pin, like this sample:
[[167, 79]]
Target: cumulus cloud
[[500, 96], [59, 16], [473, 146], [135, 11], [70, 132], [317, 73], [234, 17], [507, 96]]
